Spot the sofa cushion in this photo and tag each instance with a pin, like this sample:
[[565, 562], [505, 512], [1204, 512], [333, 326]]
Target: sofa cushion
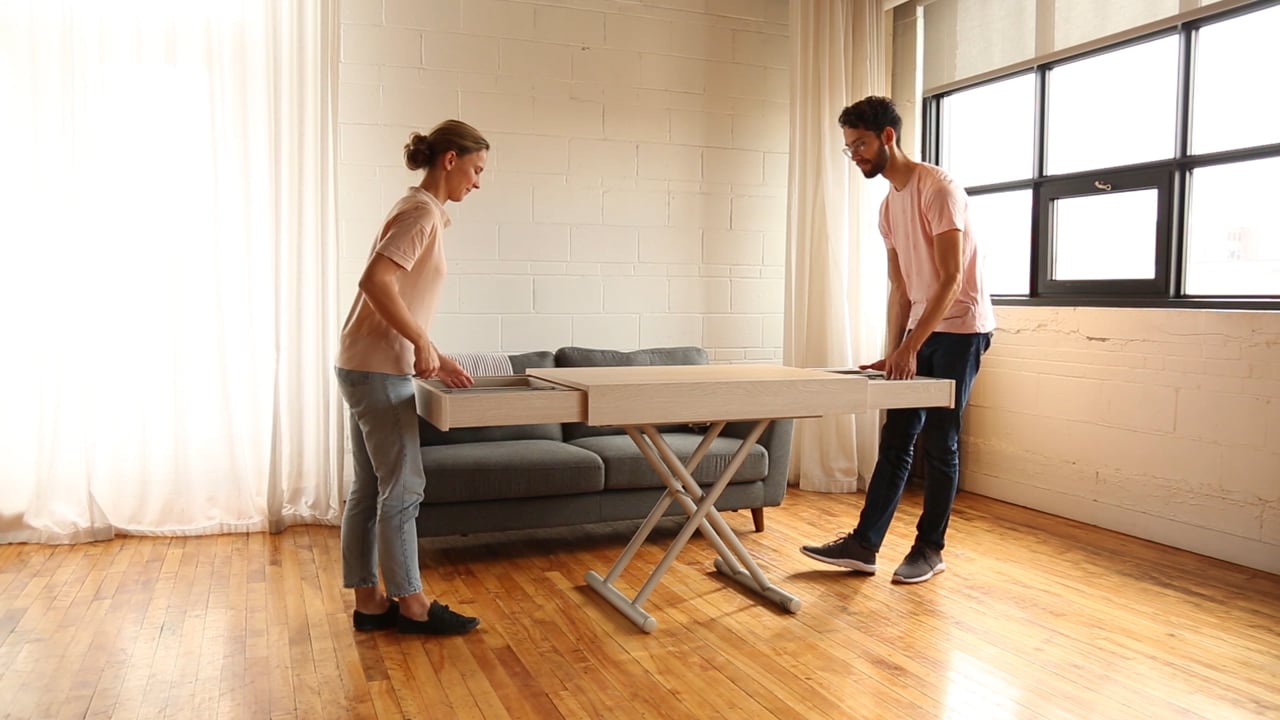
[[626, 468], [431, 435], [505, 469], [536, 359], [591, 357]]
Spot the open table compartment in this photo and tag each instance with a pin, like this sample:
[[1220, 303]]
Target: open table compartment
[[499, 400], [918, 392]]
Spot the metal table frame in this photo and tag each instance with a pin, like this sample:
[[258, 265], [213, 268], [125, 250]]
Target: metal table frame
[[701, 514]]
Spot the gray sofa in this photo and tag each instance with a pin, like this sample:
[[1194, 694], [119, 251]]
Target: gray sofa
[[551, 475]]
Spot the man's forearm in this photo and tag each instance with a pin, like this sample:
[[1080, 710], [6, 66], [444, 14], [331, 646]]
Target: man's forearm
[[896, 325]]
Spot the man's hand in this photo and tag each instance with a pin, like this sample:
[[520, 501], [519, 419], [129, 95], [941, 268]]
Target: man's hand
[[426, 361], [900, 365], [452, 374]]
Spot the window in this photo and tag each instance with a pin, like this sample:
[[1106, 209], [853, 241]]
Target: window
[[1116, 108], [1140, 173], [1106, 231], [967, 115], [1003, 221], [1002, 217], [1233, 106], [1233, 232]]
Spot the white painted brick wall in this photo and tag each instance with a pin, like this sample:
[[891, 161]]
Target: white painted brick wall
[[635, 295], [564, 295], [532, 332], [1163, 424], [609, 331], [667, 330], [635, 190], [676, 245]]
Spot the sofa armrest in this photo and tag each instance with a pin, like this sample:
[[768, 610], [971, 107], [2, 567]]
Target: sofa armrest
[[776, 440]]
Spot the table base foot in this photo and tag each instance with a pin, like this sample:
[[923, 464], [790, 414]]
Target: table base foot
[[642, 619], [773, 593]]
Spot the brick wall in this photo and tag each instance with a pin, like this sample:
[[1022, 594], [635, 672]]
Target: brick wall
[[636, 190], [1164, 424]]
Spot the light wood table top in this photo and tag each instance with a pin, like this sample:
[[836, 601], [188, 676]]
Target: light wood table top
[[649, 394]]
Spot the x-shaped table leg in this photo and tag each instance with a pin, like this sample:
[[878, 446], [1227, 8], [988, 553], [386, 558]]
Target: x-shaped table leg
[[734, 560]]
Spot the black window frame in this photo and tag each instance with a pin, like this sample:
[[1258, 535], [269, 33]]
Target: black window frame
[[1170, 176], [1095, 185]]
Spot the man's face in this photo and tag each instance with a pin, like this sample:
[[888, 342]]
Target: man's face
[[867, 150]]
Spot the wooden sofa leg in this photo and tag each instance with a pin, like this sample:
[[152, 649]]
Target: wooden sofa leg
[[757, 517]]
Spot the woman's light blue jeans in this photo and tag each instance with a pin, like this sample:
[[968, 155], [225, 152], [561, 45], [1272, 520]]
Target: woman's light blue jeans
[[379, 526]]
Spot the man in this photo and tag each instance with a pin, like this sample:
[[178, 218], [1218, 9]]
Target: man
[[939, 324]]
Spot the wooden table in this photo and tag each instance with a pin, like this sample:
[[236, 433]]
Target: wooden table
[[639, 399]]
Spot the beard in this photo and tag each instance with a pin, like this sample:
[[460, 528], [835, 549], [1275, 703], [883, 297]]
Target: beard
[[877, 164]]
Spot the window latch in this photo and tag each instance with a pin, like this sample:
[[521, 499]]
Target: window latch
[[1102, 185]]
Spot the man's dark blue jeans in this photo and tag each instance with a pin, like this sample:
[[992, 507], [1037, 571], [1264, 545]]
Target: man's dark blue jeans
[[954, 356]]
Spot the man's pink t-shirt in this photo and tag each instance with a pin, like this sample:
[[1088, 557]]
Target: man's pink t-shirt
[[930, 204], [412, 237]]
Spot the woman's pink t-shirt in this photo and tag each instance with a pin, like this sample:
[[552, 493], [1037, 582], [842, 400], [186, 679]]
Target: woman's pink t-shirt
[[412, 237], [930, 204]]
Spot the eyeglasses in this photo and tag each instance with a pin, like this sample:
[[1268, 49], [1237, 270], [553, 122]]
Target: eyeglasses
[[849, 152]]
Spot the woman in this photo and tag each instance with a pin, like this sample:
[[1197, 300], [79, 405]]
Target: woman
[[384, 345]]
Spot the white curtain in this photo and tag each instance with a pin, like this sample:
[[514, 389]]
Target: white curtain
[[167, 267], [836, 273]]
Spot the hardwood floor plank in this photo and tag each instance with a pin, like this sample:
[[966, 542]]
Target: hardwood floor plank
[[130, 597], [78, 655], [988, 652], [1036, 617], [313, 564], [192, 691], [304, 699], [149, 666], [385, 704], [358, 702], [281, 700], [414, 692], [250, 692]]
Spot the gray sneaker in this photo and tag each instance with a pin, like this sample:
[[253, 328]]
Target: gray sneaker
[[919, 565], [843, 552]]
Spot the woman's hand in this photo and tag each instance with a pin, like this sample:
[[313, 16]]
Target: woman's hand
[[426, 361], [452, 374]]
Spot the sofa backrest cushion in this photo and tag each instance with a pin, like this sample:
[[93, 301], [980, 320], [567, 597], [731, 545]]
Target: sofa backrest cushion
[[431, 435], [591, 357]]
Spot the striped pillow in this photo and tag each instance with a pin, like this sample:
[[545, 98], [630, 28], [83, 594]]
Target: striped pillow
[[479, 364]]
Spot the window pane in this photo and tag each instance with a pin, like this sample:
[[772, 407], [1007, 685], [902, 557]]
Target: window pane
[[1105, 237], [1231, 107], [1096, 120], [967, 118], [1002, 225], [1233, 237]]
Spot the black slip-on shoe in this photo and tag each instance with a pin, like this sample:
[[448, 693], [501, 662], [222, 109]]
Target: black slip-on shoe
[[364, 622], [440, 621]]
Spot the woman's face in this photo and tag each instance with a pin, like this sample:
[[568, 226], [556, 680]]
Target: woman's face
[[462, 173]]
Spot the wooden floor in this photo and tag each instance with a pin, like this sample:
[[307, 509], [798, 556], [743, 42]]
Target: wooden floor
[[1036, 617]]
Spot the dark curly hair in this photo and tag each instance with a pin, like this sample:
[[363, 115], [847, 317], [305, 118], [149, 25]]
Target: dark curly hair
[[873, 114]]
